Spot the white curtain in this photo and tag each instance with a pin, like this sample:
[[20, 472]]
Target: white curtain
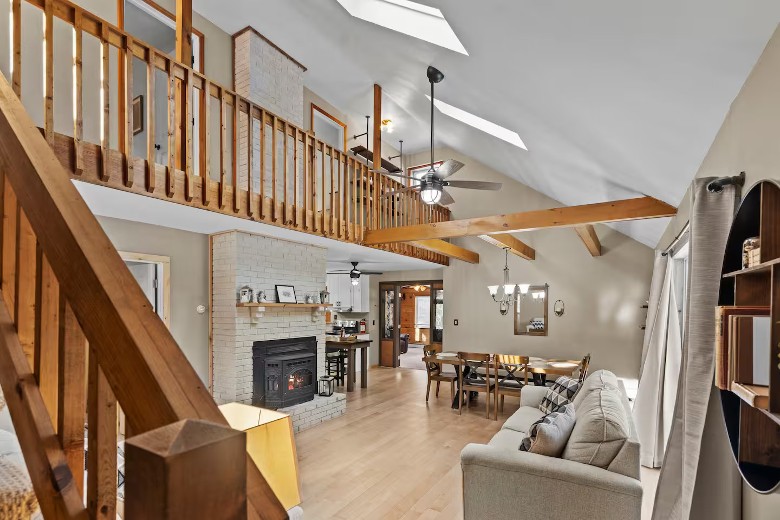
[[657, 393], [683, 466]]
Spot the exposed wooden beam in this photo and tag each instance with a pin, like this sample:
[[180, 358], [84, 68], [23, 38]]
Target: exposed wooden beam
[[184, 31], [451, 250], [568, 216], [516, 247], [590, 239]]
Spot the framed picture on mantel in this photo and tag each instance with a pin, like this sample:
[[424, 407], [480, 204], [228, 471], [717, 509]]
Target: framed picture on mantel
[[285, 294]]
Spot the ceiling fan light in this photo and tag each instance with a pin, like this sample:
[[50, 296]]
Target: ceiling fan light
[[355, 281], [430, 195]]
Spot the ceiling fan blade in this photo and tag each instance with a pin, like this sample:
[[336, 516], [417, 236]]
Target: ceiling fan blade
[[382, 172], [448, 168], [475, 185], [370, 272], [446, 199]]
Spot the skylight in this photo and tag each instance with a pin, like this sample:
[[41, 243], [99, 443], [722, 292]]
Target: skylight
[[407, 17], [481, 124]]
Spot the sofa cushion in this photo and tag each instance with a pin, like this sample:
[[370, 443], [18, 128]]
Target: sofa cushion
[[597, 379], [559, 394], [549, 435], [602, 428], [507, 440], [522, 419]]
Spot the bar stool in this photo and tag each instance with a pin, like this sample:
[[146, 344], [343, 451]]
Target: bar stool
[[336, 365]]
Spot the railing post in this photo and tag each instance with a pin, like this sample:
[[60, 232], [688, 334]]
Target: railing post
[[189, 469]]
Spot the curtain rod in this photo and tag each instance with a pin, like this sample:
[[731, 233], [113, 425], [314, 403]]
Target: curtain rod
[[679, 237], [717, 185]]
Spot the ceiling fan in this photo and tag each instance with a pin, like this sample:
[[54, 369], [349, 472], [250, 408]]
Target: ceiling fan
[[354, 273], [431, 185]]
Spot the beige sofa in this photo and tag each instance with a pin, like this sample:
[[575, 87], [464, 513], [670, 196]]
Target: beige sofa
[[597, 476]]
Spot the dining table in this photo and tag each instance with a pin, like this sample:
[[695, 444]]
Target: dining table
[[539, 367], [351, 347]]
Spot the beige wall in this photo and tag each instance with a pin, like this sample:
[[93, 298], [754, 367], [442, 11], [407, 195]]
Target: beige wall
[[748, 141], [602, 295], [189, 279]]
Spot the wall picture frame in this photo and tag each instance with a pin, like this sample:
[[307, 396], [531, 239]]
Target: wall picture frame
[[138, 114], [285, 294]]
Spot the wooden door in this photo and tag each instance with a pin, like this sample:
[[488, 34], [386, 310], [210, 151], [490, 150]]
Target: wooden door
[[388, 325], [437, 316]]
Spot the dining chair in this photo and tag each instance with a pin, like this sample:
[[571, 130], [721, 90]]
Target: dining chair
[[435, 374], [475, 376], [511, 375], [584, 364]]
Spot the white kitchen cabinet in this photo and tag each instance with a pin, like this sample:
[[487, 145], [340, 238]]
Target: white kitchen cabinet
[[350, 296]]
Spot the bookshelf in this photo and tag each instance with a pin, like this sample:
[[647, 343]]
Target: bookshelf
[[752, 413]]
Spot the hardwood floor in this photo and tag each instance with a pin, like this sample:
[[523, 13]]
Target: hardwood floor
[[390, 455], [393, 456]]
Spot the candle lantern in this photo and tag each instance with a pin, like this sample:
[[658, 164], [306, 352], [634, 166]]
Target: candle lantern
[[327, 385]]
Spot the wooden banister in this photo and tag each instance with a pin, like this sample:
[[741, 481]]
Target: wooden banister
[[146, 370]]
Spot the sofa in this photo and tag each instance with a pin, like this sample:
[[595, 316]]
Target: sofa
[[597, 475]]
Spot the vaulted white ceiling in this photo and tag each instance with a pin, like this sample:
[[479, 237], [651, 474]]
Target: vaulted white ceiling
[[612, 98]]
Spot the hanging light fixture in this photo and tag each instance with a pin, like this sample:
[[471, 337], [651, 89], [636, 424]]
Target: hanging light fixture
[[507, 291]]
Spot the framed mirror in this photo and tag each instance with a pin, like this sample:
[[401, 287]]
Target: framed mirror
[[531, 312]]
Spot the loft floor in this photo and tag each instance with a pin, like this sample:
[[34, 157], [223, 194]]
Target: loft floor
[[391, 456]]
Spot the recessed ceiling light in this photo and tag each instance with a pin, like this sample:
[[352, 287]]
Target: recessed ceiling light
[[481, 124], [407, 17]]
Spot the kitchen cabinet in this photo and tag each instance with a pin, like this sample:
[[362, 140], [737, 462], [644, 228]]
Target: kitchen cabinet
[[344, 295]]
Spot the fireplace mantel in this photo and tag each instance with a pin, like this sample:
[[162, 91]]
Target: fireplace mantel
[[261, 308]]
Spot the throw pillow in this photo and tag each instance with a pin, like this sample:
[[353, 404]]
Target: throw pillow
[[559, 394], [549, 435]]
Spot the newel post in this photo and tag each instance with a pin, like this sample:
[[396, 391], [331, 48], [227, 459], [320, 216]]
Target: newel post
[[190, 469]]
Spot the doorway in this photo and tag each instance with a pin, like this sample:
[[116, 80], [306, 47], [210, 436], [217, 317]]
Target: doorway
[[411, 321], [152, 272]]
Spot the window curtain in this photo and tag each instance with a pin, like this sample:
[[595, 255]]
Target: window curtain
[[661, 353], [711, 216]]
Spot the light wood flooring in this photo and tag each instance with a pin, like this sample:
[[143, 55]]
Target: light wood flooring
[[391, 455]]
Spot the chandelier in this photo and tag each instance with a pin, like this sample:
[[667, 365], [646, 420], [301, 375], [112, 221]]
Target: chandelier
[[506, 295]]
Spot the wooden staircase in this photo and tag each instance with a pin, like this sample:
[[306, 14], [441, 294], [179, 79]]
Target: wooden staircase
[[79, 341]]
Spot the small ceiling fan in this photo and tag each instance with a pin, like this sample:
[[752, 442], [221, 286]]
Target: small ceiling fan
[[431, 185], [354, 273]]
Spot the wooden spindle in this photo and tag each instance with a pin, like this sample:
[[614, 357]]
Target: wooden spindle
[[274, 194], [101, 442], [249, 155], [127, 145], [72, 390], [25, 286], [205, 131], [105, 97], [48, 70], [47, 305], [151, 139], [10, 229], [189, 190], [16, 46], [222, 148], [262, 164], [324, 192], [234, 156], [285, 218], [170, 174], [343, 191], [78, 95], [295, 176], [332, 191]]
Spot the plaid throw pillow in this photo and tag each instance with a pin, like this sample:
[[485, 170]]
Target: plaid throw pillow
[[549, 435], [559, 394]]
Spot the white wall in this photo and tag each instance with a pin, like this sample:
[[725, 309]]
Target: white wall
[[189, 279], [747, 141]]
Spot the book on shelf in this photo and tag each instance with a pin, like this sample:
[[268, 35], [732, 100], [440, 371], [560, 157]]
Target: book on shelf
[[749, 349], [724, 362]]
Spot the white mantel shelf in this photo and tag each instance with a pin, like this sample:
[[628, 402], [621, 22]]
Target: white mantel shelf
[[260, 308]]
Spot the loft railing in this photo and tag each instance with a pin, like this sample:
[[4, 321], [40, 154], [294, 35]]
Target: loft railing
[[78, 341], [206, 146]]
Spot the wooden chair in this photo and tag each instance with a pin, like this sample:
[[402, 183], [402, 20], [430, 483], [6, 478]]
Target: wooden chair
[[435, 374], [584, 367], [513, 377], [479, 378]]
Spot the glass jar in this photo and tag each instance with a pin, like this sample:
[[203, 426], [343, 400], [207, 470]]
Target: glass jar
[[751, 252]]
